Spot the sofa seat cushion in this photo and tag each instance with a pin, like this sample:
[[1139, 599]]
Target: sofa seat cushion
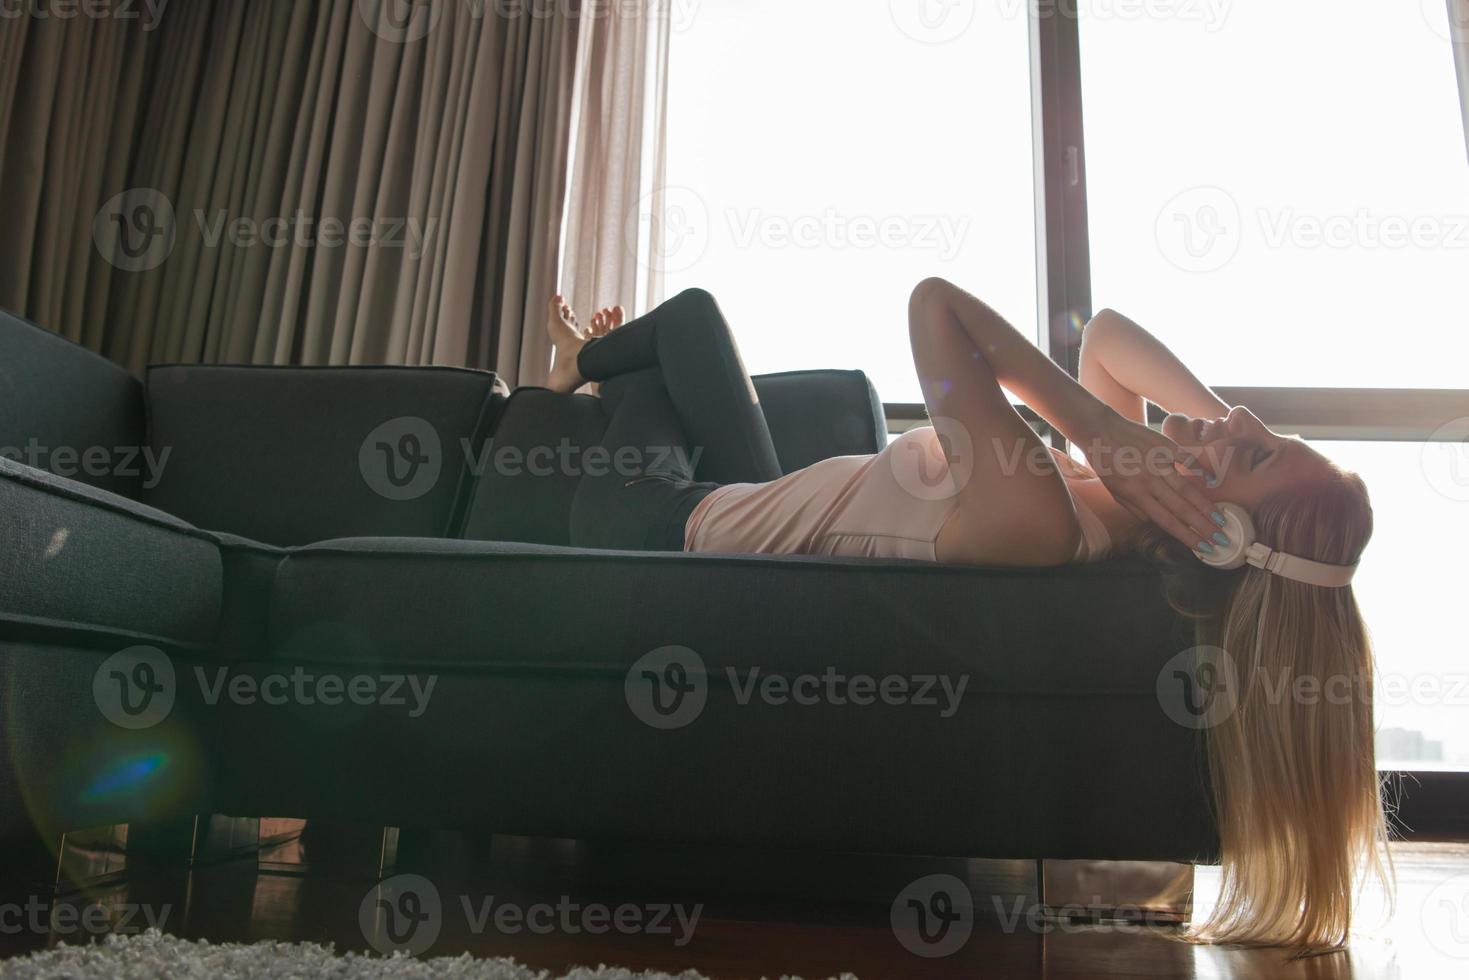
[[452, 604], [520, 679], [75, 557]]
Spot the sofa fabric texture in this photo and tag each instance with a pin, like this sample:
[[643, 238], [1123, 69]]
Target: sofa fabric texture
[[87, 559]]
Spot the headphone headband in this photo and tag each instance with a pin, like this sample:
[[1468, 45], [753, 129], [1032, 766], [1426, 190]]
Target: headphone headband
[[1300, 569], [1243, 549]]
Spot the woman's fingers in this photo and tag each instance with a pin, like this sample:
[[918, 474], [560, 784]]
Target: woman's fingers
[[1192, 514], [1171, 525]]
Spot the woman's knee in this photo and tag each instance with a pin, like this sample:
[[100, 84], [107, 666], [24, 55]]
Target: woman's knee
[[695, 302], [932, 293]]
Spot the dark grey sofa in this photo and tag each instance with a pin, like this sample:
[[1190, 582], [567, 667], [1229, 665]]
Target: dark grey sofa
[[267, 545]]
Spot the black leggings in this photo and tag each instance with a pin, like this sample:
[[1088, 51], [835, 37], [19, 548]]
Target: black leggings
[[681, 409]]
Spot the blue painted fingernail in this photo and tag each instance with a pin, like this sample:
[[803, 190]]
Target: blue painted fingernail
[[1221, 539], [1211, 481], [1205, 547], [1219, 519]]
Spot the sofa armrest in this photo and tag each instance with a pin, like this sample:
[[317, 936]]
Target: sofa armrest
[[69, 411], [815, 415]]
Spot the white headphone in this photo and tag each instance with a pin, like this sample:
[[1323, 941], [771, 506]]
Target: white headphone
[[1243, 549]]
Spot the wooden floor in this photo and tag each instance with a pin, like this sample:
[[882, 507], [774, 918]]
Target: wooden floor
[[762, 915]]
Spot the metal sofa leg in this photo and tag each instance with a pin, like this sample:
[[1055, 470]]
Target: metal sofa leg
[[299, 847], [1138, 892]]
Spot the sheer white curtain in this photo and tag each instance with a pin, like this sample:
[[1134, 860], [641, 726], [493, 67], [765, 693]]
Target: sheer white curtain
[[1459, 35], [615, 203]]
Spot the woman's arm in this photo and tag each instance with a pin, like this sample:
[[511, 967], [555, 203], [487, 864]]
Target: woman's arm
[[1135, 463], [1123, 364]]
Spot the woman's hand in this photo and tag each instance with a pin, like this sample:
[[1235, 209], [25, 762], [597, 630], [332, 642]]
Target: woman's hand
[[1138, 466]]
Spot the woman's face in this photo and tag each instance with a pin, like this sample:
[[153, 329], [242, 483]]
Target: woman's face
[[1248, 461]]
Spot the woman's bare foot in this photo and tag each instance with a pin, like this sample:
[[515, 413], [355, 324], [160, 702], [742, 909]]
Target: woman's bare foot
[[608, 320], [568, 337]]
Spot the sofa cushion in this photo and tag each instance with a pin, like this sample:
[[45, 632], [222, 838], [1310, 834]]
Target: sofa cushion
[[528, 472], [76, 557], [815, 415], [69, 411], [522, 664], [446, 603], [291, 455]]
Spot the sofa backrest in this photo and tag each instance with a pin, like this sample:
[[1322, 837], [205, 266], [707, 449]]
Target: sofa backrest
[[293, 455], [815, 415], [526, 474], [68, 411]]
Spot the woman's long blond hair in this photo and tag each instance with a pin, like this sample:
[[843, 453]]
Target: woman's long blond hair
[[1293, 770]]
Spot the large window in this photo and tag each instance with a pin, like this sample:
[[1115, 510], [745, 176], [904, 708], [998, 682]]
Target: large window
[[826, 155], [1411, 588], [1280, 190]]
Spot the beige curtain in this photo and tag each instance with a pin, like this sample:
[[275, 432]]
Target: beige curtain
[[336, 182], [615, 213]]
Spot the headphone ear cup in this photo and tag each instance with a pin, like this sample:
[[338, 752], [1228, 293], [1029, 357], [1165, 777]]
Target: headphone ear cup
[[1241, 533]]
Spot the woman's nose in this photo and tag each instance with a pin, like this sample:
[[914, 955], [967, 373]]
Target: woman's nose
[[1237, 419]]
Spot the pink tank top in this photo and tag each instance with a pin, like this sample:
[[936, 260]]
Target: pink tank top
[[891, 505]]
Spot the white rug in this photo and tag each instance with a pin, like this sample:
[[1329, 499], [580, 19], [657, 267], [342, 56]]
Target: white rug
[[154, 955]]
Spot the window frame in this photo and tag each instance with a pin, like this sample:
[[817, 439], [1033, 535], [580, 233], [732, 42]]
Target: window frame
[[1429, 804]]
